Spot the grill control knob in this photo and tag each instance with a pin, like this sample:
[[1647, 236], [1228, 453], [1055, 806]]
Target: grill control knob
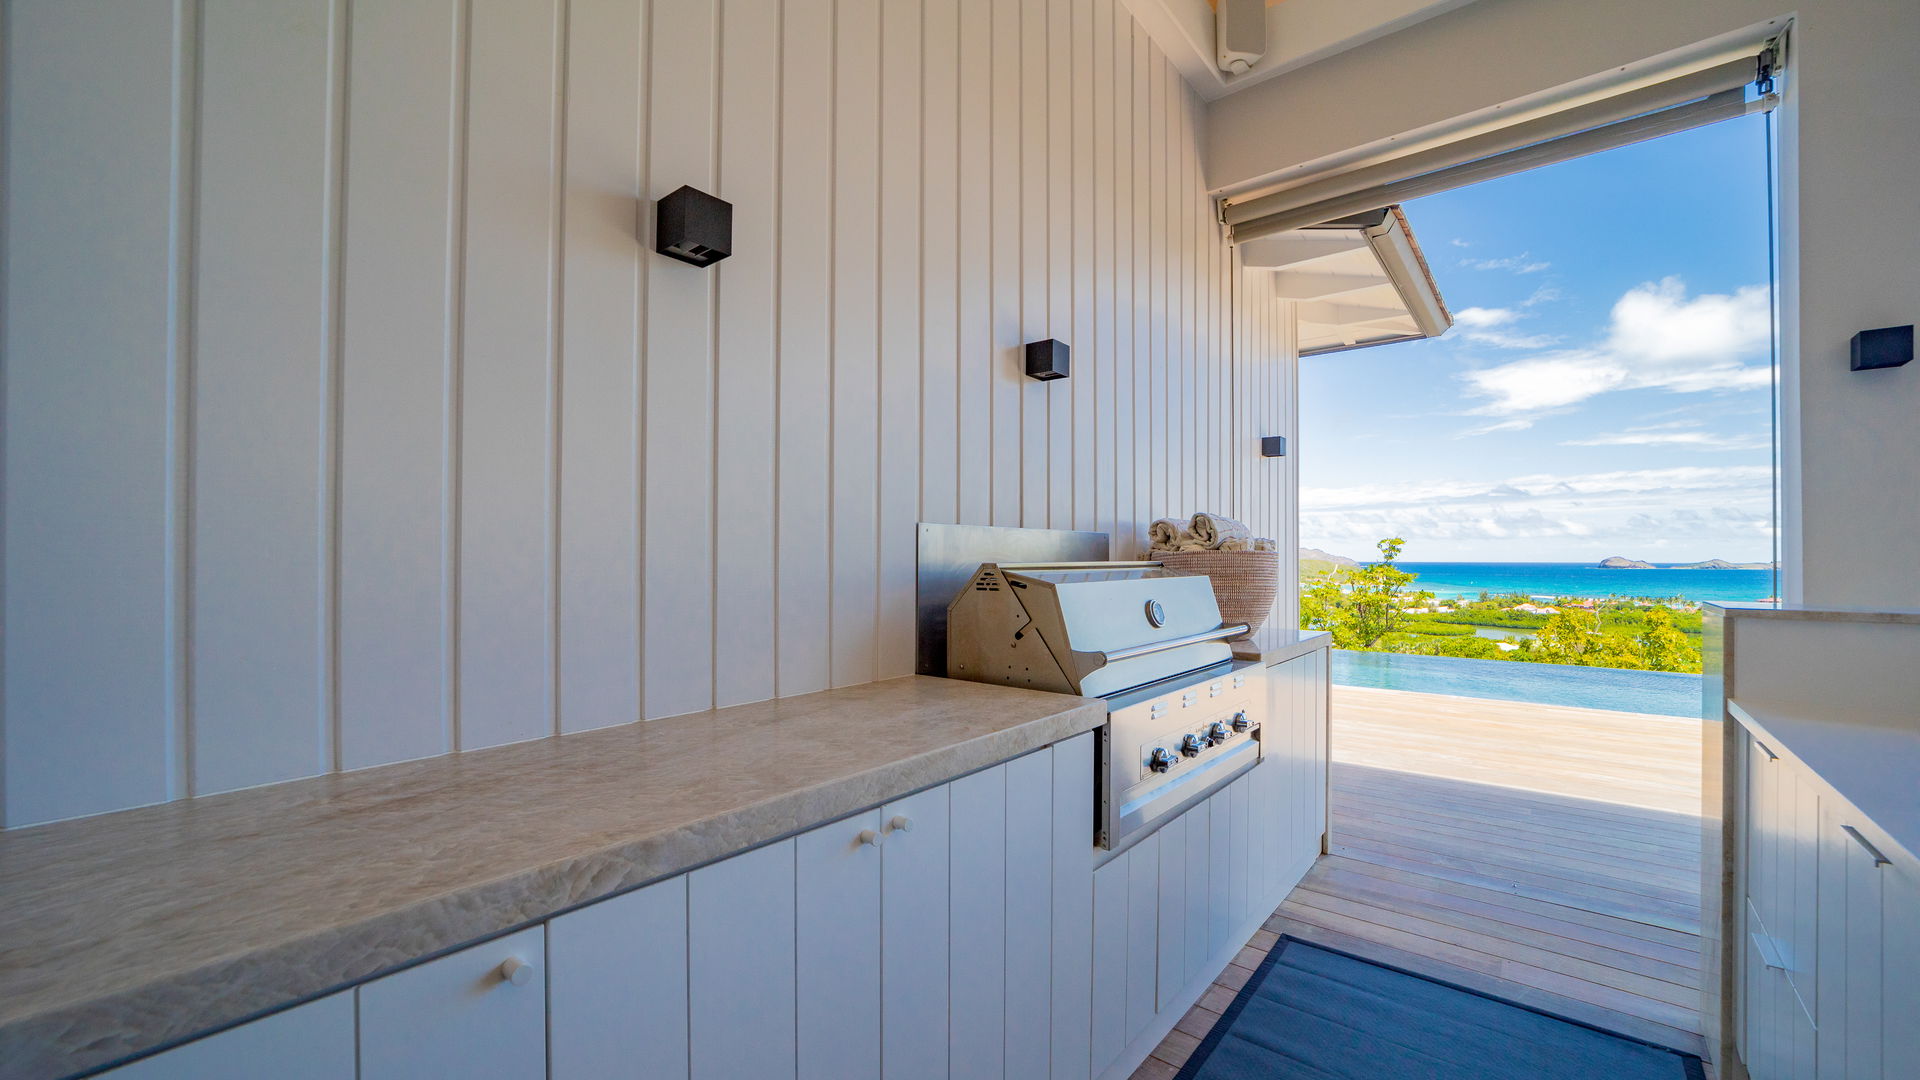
[[1160, 760], [1240, 721], [1191, 745], [1218, 733]]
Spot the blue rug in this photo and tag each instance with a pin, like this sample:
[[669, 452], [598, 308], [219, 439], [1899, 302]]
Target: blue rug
[[1319, 1014]]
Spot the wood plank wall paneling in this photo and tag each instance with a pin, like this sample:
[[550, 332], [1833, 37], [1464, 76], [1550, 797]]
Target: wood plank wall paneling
[[350, 418], [746, 367], [507, 368], [399, 314], [260, 460], [602, 274]]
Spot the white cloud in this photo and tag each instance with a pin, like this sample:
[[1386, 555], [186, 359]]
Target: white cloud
[[1481, 325], [1481, 316], [1516, 423], [1680, 433], [1523, 263], [1503, 339], [1457, 242], [1687, 512], [1659, 338]]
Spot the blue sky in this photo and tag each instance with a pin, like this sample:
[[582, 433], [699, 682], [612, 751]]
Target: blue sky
[[1604, 389]]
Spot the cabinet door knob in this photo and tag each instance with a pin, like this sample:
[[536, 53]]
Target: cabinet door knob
[[515, 971], [872, 838], [900, 823]]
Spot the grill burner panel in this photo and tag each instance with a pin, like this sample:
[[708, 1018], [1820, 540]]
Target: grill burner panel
[[1169, 745], [1182, 718]]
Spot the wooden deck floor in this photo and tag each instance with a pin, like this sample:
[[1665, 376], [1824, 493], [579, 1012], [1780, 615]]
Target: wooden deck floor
[[1543, 854]]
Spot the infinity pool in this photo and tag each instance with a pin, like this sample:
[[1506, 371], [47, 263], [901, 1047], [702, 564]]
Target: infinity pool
[[1660, 692]]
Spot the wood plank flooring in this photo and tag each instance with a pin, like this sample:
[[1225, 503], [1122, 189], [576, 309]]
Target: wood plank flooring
[[1544, 854]]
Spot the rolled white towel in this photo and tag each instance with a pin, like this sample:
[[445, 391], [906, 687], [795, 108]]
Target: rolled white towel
[[1212, 530], [1164, 532], [1169, 534], [1236, 545], [1261, 543]]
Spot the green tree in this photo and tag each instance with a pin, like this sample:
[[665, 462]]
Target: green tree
[[1469, 647], [1362, 604], [1573, 637], [1662, 646]]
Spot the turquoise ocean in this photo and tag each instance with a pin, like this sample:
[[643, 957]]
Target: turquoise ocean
[[1553, 684], [1586, 579]]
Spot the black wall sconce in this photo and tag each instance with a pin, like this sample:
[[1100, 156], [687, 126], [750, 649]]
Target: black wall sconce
[[693, 226], [1273, 446], [1886, 347], [1048, 359]]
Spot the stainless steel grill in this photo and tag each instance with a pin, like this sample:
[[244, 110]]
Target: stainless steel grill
[[1183, 718]]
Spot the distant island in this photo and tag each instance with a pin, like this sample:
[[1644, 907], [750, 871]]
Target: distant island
[[1317, 555], [1621, 562]]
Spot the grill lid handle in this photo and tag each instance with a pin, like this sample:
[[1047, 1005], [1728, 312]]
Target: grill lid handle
[[1152, 647]]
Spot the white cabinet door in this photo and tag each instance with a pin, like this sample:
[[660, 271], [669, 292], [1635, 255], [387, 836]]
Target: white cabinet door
[[1899, 950], [617, 986], [1782, 866], [1321, 723], [1259, 827], [1783, 873], [1111, 949], [1199, 914], [837, 948], [1072, 906], [1143, 918], [1240, 854], [1305, 786], [477, 1013], [1869, 953], [740, 955], [1851, 972], [1222, 916], [308, 1042], [1274, 808], [1172, 911], [1029, 925], [914, 936], [978, 902]]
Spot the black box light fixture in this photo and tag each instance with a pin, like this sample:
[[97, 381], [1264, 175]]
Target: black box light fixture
[[1889, 346], [1048, 359], [1273, 446], [693, 226]]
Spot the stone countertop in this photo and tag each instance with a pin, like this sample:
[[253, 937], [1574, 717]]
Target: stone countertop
[[1277, 644], [1868, 761], [129, 931], [1753, 610]]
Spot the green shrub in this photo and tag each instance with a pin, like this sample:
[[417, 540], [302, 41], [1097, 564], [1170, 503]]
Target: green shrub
[[1435, 626]]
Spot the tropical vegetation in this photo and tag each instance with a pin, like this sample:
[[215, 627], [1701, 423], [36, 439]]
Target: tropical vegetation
[[1375, 607]]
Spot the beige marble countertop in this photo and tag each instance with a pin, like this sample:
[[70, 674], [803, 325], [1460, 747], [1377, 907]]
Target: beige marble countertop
[[133, 930], [1278, 644]]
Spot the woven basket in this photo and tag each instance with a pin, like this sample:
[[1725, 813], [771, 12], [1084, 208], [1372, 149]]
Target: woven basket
[[1244, 582]]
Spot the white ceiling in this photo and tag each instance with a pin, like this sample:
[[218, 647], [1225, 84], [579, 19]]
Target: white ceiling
[[1344, 288], [1298, 33]]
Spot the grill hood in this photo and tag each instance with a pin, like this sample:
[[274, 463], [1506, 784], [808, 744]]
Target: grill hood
[[1083, 628]]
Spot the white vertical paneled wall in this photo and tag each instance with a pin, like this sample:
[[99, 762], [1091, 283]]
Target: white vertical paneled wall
[[349, 417]]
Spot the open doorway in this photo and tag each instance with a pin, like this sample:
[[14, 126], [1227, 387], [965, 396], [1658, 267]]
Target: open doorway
[[1510, 530]]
